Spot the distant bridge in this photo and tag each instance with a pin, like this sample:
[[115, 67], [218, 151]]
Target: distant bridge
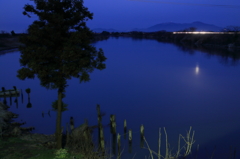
[[205, 32]]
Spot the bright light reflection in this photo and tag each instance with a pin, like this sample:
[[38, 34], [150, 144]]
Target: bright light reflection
[[197, 70], [204, 32]]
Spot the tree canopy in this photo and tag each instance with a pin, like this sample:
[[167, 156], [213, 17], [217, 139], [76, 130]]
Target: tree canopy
[[58, 46]]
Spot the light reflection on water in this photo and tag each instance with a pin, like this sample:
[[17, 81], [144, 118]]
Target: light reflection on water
[[197, 69], [149, 83]]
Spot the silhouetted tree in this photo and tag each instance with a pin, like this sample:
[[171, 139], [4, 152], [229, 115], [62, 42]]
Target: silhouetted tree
[[192, 29], [232, 28], [4, 34], [105, 33], [57, 47], [13, 33]]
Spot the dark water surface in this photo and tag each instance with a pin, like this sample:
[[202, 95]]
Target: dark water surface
[[149, 83]]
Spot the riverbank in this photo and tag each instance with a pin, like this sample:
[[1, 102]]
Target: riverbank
[[17, 142], [207, 40], [9, 42], [227, 41]]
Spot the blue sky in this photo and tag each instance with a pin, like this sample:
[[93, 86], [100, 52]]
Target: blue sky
[[129, 14]]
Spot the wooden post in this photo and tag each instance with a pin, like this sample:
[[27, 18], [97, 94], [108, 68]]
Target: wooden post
[[113, 123], [125, 128], [10, 97], [67, 134], [100, 130], [71, 123], [4, 96], [114, 138], [22, 95], [16, 101], [142, 136], [99, 114], [14, 94], [119, 145], [102, 144], [130, 140], [49, 113]]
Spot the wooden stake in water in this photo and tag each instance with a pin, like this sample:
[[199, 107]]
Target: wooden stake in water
[[16, 100], [100, 129], [10, 97], [130, 140], [67, 133], [113, 123], [119, 145], [22, 95], [114, 139], [102, 144], [49, 113], [4, 96], [71, 123], [142, 136], [125, 128], [99, 114]]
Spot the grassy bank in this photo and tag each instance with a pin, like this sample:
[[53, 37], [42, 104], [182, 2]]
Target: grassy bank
[[19, 148], [16, 148]]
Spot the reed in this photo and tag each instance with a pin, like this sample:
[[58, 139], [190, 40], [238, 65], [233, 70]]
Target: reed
[[183, 149]]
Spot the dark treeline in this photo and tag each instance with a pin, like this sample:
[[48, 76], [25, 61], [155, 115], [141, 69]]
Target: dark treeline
[[211, 40], [225, 46]]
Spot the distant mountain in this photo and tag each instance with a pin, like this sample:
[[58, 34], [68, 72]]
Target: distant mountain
[[180, 26], [99, 30], [200, 26]]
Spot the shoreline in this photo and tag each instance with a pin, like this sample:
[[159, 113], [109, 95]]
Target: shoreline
[[11, 43]]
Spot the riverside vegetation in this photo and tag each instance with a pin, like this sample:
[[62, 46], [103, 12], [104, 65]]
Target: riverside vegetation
[[17, 142], [9, 41]]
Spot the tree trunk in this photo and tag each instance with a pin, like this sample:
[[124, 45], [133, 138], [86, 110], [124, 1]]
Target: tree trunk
[[58, 133]]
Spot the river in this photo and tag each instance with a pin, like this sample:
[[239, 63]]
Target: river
[[145, 82]]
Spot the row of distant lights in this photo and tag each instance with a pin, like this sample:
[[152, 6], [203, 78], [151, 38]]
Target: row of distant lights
[[205, 32]]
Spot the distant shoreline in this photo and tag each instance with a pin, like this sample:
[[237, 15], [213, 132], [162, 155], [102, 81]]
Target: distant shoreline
[[9, 42], [224, 40]]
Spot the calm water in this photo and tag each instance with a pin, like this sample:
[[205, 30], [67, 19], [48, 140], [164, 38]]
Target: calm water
[[149, 83]]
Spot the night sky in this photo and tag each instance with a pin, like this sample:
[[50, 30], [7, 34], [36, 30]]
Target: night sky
[[129, 14]]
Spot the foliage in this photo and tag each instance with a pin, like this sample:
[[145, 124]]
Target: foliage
[[55, 104], [28, 90], [190, 29], [231, 28], [13, 33], [57, 47], [61, 154], [3, 34], [105, 33]]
